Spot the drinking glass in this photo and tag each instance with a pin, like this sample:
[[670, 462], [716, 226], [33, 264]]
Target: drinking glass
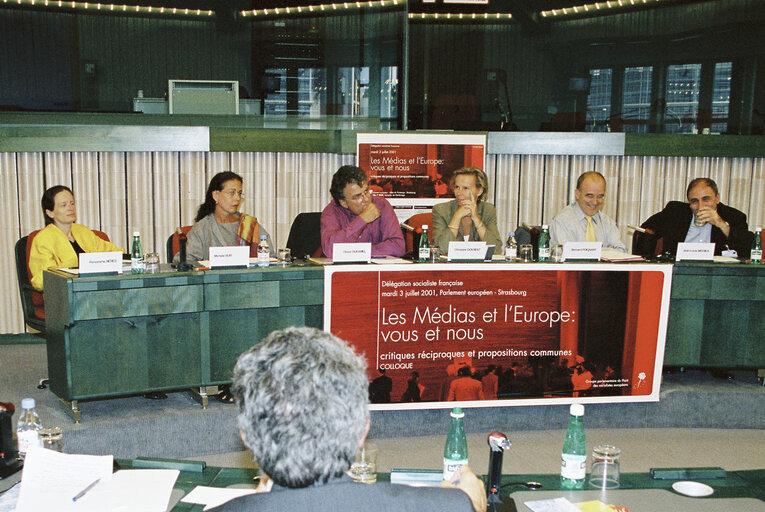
[[364, 468], [556, 253], [52, 438], [285, 256], [526, 253], [605, 467]]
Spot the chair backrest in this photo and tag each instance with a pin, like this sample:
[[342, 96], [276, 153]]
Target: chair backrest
[[647, 245], [32, 301], [417, 221], [305, 235], [174, 244], [29, 296]]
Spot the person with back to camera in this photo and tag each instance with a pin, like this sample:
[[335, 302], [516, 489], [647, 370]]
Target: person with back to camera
[[62, 240], [219, 223], [468, 216], [303, 413]]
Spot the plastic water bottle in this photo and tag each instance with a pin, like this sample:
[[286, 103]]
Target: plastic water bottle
[[136, 255], [264, 252], [573, 458], [544, 243], [756, 254], [424, 250], [455, 451], [28, 430], [511, 247]]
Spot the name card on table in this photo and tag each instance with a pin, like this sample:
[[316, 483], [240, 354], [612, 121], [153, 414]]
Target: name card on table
[[233, 256], [101, 262], [582, 250], [695, 251], [352, 253], [466, 251]]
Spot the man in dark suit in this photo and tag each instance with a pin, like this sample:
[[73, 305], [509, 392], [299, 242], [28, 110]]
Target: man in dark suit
[[702, 219], [380, 388], [303, 402]]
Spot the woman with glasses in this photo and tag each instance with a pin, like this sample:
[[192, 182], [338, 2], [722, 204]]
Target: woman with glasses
[[62, 240], [219, 223]]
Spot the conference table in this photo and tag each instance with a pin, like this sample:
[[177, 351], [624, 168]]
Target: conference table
[[738, 491], [116, 335]]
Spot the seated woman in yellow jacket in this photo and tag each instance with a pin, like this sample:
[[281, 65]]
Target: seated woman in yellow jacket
[[62, 240]]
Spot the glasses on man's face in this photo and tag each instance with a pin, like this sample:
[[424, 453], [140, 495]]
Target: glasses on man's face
[[362, 196], [231, 193]]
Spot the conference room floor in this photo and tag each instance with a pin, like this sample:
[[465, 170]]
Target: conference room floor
[[539, 451]]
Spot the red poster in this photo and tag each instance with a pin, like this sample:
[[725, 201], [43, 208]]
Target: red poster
[[413, 170], [504, 334]]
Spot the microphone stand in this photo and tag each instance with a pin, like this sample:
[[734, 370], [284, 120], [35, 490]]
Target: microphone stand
[[498, 443]]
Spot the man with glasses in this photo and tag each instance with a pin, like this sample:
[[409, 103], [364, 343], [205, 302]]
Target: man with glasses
[[354, 215]]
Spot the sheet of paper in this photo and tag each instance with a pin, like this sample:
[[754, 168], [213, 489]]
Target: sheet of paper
[[142, 490], [391, 260], [213, 496], [726, 259], [553, 505], [614, 255], [51, 479]]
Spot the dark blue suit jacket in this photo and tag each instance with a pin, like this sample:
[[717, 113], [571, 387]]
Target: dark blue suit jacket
[[348, 496]]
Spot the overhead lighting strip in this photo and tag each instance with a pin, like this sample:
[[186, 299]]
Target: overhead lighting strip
[[602, 6], [461, 16], [69, 5], [308, 9]]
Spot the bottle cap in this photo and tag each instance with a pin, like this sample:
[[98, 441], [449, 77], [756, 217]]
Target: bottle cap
[[424, 227], [457, 413], [545, 226], [263, 237], [27, 403], [136, 233], [577, 410], [512, 233]]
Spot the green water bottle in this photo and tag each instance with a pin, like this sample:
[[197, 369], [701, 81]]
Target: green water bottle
[[544, 243], [136, 255], [756, 254], [424, 249], [573, 457], [455, 451]]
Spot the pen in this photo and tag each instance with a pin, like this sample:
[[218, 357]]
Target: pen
[[85, 490]]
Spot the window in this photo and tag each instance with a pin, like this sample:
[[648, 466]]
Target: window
[[389, 92], [721, 97], [636, 100], [599, 101], [682, 100]]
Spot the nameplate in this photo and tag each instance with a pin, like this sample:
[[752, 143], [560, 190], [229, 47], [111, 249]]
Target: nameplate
[[466, 251], [100, 262], [232, 256], [352, 253], [582, 250], [695, 251]]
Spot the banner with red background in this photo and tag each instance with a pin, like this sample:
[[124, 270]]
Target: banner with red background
[[527, 334]]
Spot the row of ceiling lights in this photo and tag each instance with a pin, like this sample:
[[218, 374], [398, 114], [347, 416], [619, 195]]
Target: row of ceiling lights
[[319, 8]]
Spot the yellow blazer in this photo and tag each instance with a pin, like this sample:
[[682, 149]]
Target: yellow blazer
[[51, 248]]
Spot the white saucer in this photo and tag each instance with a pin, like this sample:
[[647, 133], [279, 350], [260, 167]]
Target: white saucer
[[693, 489]]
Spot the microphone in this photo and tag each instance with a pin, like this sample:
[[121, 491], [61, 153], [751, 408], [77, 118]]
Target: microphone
[[498, 443]]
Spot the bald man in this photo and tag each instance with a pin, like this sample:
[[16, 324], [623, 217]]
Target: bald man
[[582, 220]]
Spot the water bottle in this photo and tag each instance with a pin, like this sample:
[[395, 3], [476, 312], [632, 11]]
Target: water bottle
[[455, 451], [264, 253], [424, 250], [136, 255], [511, 247], [28, 430], [544, 243], [573, 458], [756, 254]]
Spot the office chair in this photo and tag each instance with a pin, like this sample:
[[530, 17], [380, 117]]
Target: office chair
[[304, 239], [32, 301], [173, 245], [412, 238]]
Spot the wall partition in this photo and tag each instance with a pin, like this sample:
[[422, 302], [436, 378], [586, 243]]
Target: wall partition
[[154, 192]]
